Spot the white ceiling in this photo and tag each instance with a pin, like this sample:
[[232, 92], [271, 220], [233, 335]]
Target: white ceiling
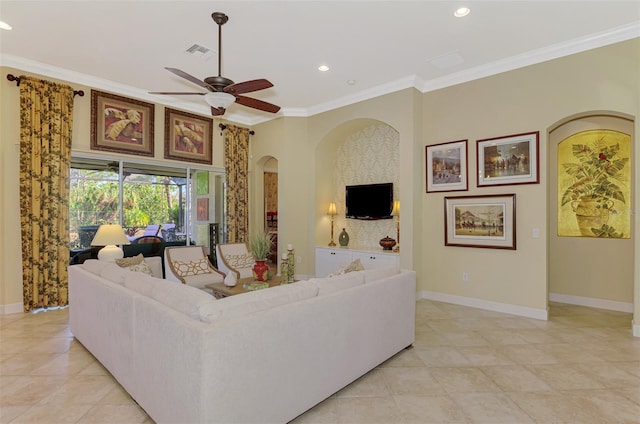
[[384, 46]]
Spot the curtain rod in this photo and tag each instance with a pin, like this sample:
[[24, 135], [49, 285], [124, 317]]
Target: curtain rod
[[12, 77], [224, 127]]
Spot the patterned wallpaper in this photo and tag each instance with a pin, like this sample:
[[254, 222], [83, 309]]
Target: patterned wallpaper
[[367, 157]]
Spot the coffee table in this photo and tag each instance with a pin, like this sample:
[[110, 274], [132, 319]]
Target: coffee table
[[220, 290]]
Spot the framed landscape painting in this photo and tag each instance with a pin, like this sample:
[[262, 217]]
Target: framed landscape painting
[[120, 124], [446, 166], [480, 221], [187, 137], [508, 160]]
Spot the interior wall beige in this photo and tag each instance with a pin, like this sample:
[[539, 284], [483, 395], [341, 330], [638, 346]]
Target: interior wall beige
[[587, 267], [10, 259], [523, 100]]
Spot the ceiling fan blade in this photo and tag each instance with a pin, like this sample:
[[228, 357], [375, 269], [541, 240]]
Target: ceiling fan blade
[[257, 104], [215, 111], [176, 93], [248, 86], [188, 77]]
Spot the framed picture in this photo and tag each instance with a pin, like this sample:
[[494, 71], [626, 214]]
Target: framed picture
[[480, 221], [446, 166], [121, 125], [202, 182], [187, 137], [508, 160]]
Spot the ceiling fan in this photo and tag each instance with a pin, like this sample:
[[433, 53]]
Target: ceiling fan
[[223, 92]]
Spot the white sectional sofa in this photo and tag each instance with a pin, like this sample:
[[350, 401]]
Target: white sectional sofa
[[260, 357]]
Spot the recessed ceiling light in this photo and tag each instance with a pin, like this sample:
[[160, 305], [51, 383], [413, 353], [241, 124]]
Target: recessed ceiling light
[[4, 25], [461, 11], [351, 82], [323, 68]]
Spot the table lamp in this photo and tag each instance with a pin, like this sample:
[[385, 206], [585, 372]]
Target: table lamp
[[109, 236], [396, 212], [332, 213]]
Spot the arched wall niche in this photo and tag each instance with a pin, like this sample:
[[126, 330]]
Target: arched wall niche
[[360, 151], [596, 272], [264, 164]]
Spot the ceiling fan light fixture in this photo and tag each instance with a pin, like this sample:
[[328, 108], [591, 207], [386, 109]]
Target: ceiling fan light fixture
[[219, 99]]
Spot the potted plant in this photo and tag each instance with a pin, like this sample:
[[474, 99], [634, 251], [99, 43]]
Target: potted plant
[[260, 245], [595, 184]]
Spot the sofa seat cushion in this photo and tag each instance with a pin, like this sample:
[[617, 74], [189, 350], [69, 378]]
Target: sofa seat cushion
[[180, 297], [256, 301], [200, 280]]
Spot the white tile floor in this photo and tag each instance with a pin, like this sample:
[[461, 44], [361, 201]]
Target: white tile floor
[[467, 366]]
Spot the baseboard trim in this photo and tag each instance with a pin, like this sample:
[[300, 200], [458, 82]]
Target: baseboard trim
[[591, 302], [12, 308], [524, 311]]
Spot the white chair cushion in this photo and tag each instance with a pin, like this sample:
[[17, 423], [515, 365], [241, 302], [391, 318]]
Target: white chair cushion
[[199, 281], [189, 268]]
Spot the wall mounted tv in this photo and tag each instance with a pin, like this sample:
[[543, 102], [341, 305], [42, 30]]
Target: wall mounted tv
[[369, 201]]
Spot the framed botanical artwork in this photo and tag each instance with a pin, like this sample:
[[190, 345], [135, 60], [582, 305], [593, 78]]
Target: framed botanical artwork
[[508, 160], [202, 182], [480, 221], [120, 124], [187, 137], [446, 166]]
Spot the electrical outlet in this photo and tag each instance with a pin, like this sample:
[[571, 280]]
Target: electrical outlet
[[465, 276], [299, 259]]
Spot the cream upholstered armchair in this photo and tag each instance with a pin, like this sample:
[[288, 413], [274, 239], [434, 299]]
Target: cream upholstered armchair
[[236, 258], [190, 265]]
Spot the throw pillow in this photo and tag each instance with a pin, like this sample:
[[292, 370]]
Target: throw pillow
[[353, 266], [240, 261], [188, 268], [135, 263]]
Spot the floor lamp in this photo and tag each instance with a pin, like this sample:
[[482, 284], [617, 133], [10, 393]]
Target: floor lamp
[[332, 213], [396, 212]]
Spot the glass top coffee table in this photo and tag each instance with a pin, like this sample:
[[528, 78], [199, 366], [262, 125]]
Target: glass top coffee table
[[244, 285]]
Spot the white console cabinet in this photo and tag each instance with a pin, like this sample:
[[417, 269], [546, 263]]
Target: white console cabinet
[[331, 259]]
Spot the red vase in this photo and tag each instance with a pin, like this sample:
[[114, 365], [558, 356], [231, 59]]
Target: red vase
[[260, 271]]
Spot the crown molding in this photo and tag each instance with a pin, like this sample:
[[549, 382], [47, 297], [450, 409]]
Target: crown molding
[[592, 41]]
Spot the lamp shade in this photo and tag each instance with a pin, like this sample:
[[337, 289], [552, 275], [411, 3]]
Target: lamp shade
[[396, 208], [219, 99], [332, 209], [110, 234]]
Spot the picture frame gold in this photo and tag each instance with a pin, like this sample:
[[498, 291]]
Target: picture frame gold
[[487, 221], [187, 137], [122, 125]]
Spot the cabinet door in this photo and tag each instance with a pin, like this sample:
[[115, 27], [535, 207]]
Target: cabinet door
[[376, 260], [330, 260]]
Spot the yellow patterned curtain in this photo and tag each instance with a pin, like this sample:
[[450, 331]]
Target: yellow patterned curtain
[[236, 163], [271, 191], [46, 121]]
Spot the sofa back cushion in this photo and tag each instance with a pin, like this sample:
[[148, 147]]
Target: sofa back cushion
[[375, 274], [140, 283], [330, 285], [180, 297], [256, 301], [114, 273], [94, 266]]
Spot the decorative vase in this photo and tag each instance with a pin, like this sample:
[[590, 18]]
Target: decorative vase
[[387, 243], [343, 238], [291, 264], [591, 213], [260, 270], [231, 280]]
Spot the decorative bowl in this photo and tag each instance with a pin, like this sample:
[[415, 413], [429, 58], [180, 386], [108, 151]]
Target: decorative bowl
[[387, 243]]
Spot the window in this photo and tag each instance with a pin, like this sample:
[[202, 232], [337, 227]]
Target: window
[[137, 195]]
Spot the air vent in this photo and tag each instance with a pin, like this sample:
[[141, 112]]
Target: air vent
[[202, 52]]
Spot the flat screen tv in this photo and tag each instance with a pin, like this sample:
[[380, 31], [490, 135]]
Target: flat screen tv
[[369, 201]]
